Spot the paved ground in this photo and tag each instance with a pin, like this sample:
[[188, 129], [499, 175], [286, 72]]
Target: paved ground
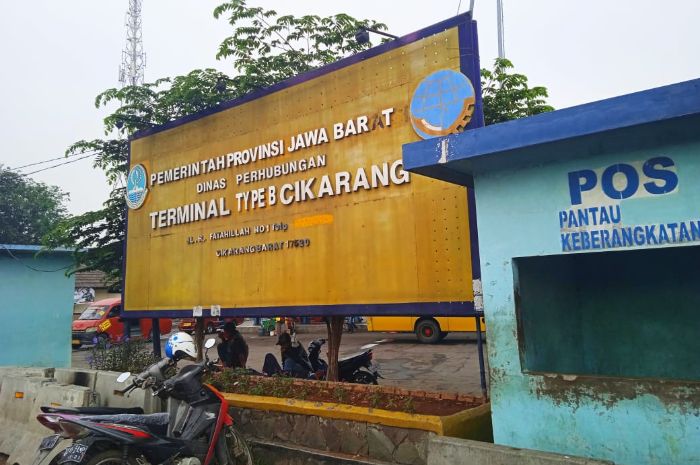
[[451, 365]]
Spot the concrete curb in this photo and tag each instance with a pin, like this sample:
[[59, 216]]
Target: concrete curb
[[453, 451], [280, 453]]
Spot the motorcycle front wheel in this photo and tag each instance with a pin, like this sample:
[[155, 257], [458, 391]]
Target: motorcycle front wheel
[[363, 377], [238, 448]]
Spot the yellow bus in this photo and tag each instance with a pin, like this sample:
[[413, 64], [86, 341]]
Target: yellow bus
[[428, 329]]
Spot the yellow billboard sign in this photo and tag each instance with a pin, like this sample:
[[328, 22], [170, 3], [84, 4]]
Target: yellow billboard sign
[[296, 202]]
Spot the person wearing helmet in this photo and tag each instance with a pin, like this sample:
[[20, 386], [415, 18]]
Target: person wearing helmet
[[179, 346], [233, 350]]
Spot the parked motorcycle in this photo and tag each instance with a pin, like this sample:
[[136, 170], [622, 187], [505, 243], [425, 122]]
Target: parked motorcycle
[[200, 432], [356, 368]]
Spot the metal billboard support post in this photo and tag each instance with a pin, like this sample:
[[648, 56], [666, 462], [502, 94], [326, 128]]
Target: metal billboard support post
[[480, 348], [199, 337], [155, 333]]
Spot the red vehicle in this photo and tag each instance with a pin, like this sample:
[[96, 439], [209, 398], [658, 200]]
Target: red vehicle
[[211, 324], [102, 321]]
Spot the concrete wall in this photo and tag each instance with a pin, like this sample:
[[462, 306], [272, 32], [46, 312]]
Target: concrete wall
[[36, 309], [355, 438], [453, 451], [634, 421]]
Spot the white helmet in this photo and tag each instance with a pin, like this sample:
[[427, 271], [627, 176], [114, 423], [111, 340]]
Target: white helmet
[[180, 345]]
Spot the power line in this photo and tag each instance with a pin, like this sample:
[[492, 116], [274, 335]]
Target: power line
[[47, 161], [59, 164], [31, 267]]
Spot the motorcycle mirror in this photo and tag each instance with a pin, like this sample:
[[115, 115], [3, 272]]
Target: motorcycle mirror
[[123, 377], [209, 344]]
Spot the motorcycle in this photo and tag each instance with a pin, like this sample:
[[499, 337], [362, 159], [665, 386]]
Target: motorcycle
[[356, 368], [200, 432]]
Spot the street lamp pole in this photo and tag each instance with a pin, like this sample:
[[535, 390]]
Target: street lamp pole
[[501, 37]]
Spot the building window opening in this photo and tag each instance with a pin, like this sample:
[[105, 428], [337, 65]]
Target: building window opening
[[629, 314]]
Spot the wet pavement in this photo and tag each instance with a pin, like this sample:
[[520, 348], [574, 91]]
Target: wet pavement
[[451, 365]]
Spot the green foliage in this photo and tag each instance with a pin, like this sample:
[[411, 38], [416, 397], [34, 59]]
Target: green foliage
[[339, 394], [266, 49], [239, 381], [133, 356], [506, 95], [98, 236], [269, 48], [28, 209]]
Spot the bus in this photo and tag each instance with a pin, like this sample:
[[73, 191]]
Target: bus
[[428, 329]]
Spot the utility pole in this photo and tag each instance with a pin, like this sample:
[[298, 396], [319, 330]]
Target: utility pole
[[501, 37], [133, 58]]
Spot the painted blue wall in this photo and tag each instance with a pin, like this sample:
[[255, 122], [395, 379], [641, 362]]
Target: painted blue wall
[[36, 308], [521, 172], [630, 421]]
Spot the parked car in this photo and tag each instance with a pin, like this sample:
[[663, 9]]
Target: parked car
[[102, 320], [211, 324]]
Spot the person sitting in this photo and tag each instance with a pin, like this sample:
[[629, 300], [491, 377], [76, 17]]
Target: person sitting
[[233, 350], [295, 360]]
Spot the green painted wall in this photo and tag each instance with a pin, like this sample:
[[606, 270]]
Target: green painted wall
[[35, 309], [635, 421], [625, 314]]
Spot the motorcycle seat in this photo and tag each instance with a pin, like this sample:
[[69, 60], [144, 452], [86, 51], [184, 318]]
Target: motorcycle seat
[[93, 410], [156, 423], [350, 357]]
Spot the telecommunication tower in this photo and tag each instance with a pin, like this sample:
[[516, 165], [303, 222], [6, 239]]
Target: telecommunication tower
[[133, 58]]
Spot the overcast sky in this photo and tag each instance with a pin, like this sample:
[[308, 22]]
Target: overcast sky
[[58, 55]]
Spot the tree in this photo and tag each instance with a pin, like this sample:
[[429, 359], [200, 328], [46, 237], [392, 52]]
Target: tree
[[28, 209], [267, 48], [98, 236], [507, 96]]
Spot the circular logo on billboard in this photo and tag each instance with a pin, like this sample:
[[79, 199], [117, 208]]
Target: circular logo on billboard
[[442, 104], [136, 187]]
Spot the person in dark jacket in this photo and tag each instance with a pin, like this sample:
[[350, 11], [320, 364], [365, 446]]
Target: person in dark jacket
[[295, 360], [233, 350]]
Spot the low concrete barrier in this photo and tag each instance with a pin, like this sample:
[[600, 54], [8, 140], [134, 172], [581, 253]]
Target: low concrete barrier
[[50, 394], [79, 377], [453, 451], [26, 371], [103, 385], [106, 388], [21, 396], [23, 391]]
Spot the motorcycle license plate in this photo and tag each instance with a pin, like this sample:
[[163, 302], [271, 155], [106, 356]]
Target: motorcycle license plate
[[74, 453], [49, 442], [75, 342]]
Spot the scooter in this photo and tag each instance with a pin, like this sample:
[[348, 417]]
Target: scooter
[[200, 432], [356, 368]]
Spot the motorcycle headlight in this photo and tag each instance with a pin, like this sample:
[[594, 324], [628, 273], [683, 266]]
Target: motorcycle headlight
[[91, 330]]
